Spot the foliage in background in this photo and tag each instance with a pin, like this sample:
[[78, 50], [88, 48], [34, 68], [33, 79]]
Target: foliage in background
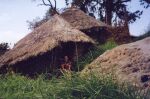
[[66, 87], [3, 48], [107, 10], [145, 3], [37, 21], [52, 10]]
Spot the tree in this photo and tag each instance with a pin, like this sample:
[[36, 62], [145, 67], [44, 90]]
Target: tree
[[37, 21], [3, 48], [107, 9], [50, 12], [52, 7], [145, 3]]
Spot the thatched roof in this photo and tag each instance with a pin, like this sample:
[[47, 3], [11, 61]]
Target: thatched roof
[[43, 39], [81, 20]]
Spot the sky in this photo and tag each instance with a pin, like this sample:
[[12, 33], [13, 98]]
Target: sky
[[15, 13]]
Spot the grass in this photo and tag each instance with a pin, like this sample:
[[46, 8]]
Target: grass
[[67, 87], [93, 54]]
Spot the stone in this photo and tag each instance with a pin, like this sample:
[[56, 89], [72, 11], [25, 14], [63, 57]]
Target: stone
[[133, 60], [144, 78]]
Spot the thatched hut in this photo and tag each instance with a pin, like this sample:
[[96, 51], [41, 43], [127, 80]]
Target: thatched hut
[[44, 48], [87, 24]]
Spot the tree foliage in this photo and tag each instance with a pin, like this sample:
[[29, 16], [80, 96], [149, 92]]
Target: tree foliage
[[108, 10], [4, 46], [52, 4], [112, 12], [145, 3], [37, 21]]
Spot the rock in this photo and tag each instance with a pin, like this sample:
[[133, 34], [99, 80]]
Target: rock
[[129, 62], [144, 78]]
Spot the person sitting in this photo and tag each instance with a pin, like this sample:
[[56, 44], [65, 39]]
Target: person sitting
[[67, 64]]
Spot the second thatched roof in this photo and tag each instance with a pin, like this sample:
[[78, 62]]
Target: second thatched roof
[[81, 20], [43, 39]]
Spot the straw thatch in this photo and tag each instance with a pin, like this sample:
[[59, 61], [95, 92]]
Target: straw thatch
[[43, 39], [81, 20], [87, 24]]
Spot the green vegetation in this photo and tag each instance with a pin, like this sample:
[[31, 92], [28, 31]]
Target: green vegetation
[[94, 53], [66, 87]]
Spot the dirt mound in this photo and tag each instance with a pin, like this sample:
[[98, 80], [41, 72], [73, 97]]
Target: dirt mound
[[129, 62]]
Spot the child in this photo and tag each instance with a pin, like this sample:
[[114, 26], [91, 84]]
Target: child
[[67, 64]]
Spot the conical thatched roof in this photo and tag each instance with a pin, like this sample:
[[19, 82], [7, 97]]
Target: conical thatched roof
[[81, 20], [43, 39]]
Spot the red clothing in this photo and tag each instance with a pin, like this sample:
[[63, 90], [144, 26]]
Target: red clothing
[[66, 66]]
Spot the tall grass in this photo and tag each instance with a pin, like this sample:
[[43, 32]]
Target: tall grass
[[66, 87], [94, 53]]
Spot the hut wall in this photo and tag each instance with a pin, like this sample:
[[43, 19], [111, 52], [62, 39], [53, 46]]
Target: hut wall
[[38, 64]]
